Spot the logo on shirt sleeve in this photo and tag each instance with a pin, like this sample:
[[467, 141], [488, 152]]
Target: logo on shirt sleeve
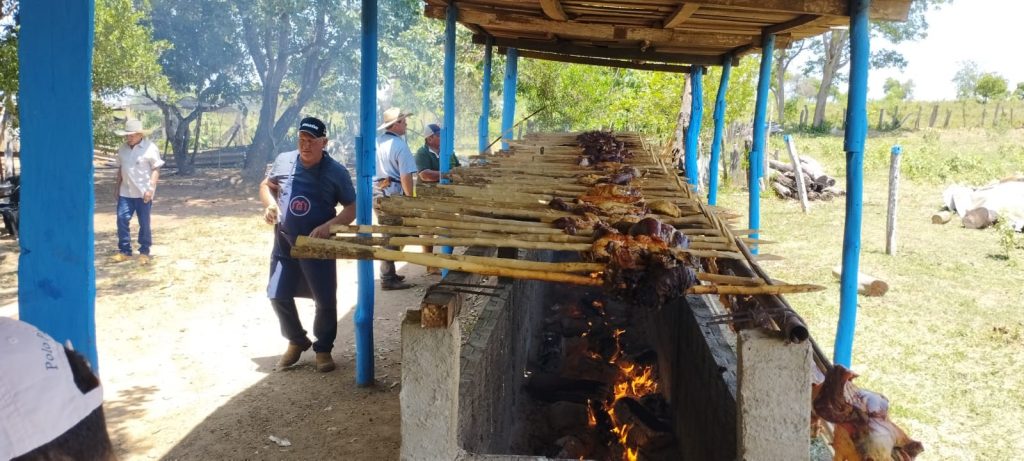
[[299, 206]]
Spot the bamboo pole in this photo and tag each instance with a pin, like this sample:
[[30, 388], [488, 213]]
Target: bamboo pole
[[424, 231], [307, 247], [753, 290]]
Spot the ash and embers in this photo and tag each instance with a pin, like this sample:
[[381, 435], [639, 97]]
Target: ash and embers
[[598, 376]]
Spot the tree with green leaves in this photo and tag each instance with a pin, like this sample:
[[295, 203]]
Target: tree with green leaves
[[205, 68], [991, 86], [833, 50], [966, 80], [9, 28], [292, 47], [124, 57], [1019, 92], [784, 57], [896, 90]]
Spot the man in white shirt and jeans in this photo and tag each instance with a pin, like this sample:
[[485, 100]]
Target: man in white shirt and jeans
[[138, 170]]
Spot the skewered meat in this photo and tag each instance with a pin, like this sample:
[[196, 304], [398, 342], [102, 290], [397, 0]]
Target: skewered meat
[[601, 147], [640, 267], [664, 207], [863, 416]]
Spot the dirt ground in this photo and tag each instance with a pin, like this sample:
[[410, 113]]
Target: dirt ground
[[187, 345]]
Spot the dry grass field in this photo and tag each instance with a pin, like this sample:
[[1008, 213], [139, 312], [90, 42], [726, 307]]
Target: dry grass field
[[946, 343]]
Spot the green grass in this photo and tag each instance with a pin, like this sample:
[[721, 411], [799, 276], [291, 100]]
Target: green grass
[[946, 344]]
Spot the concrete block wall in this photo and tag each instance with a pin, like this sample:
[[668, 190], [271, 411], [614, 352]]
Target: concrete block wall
[[698, 367]]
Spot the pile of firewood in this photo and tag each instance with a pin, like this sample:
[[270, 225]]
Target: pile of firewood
[[817, 184]]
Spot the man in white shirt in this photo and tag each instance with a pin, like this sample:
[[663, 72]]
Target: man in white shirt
[[395, 169], [138, 170]]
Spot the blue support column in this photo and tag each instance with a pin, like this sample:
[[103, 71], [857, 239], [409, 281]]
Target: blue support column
[[508, 109], [756, 158], [365, 168], [693, 131], [485, 111], [56, 270], [856, 131], [716, 143], [448, 129]]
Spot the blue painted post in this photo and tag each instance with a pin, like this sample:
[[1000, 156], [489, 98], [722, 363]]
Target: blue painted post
[[856, 131], [716, 143], [485, 111], [365, 168], [448, 126], [756, 158], [56, 270], [693, 131], [448, 129], [508, 109]]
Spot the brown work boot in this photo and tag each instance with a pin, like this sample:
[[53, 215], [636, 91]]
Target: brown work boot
[[144, 260], [324, 362], [120, 258], [292, 354]]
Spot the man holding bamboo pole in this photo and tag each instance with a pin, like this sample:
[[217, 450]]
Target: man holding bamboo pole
[[395, 169], [300, 193], [428, 161]]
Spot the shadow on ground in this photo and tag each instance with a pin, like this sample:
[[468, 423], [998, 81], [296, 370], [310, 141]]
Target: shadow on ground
[[321, 415]]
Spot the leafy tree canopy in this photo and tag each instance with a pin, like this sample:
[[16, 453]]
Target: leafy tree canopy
[[991, 86], [966, 80], [896, 90], [124, 52]]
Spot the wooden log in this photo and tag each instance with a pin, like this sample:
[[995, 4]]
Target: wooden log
[[979, 218], [866, 284], [307, 247], [942, 217], [801, 189]]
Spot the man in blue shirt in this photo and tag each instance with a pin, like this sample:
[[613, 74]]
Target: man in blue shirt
[[395, 169], [300, 193]]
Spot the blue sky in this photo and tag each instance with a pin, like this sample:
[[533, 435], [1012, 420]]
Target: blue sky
[[984, 31]]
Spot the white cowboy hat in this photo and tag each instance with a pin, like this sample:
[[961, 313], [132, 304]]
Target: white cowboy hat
[[131, 127], [391, 116]]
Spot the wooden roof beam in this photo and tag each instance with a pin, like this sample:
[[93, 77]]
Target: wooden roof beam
[[603, 52], [553, 9], [802, 21], [658, 67], [535, 24], [889, 10], [680, 16]]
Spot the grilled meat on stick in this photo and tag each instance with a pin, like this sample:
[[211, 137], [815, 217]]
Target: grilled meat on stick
[[864, 431]]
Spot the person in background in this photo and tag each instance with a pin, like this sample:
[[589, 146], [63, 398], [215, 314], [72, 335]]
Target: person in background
[[300, 194], [428, 162], [395, 169], [51, 403], [138, 170]]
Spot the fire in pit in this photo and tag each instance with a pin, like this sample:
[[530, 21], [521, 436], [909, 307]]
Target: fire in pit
[[597, 378]]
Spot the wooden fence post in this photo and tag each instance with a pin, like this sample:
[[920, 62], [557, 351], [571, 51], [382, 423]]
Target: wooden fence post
[[995, 115], [984, 115], [949, 113], [935, 115], [798, 171], [894, 186], [917, 119], [881, 117]]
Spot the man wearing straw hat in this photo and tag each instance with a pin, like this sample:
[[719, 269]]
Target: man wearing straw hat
[[138, 170], [395, 169]]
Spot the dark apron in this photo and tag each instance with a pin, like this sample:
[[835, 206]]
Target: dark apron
[[305, 206]]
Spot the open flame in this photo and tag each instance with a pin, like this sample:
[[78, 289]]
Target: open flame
[[634, 381]]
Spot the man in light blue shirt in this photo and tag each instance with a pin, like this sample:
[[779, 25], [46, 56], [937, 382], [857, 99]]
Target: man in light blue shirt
[[395, 169]]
